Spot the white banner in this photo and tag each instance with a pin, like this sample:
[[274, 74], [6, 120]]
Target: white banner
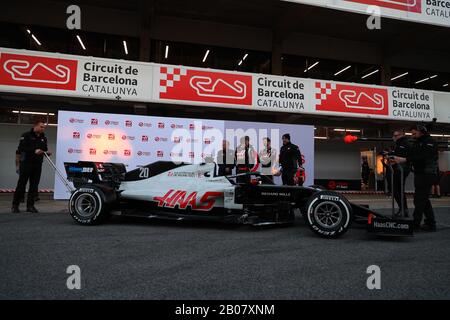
[[435, 12]]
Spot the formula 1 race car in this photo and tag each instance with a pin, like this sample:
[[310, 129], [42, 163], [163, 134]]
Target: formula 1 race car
[[181, 191]]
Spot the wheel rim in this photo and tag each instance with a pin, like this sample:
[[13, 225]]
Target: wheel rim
[[328, 215], [86, 205]]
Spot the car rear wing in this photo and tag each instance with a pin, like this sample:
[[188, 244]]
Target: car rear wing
[[83, 172]]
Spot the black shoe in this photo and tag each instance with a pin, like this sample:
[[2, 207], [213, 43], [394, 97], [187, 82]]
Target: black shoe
[[428, 227], [15, 209], [32, 210]]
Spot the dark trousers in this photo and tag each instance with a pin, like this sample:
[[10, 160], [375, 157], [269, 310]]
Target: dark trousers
[[27, 172], [287, 176], [422, 204], [398, 183]]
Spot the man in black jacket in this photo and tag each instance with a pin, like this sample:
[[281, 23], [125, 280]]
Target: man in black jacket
[[246, 159], [423, 156], [32, 146], [401, 149], [290, 160], [225, 160]]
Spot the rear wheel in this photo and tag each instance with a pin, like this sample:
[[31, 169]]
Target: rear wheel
[[328, 214], [90, 205]]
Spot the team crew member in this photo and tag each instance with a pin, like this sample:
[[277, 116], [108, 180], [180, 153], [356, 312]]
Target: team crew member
[[290, 160], [401, 149], [268, 157], [32, 146], [423, 156], [246, 158], [225, 159]]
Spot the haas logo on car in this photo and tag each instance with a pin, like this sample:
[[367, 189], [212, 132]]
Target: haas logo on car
[[403, 5], [38, 72], [351, 99], [181, 199], [205, 86]]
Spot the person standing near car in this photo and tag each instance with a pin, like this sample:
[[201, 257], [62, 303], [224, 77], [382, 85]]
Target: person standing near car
[[225, 160], [401, 149], [268, 157], [290, 160], [423, 156], [32, 146], [246, 158]]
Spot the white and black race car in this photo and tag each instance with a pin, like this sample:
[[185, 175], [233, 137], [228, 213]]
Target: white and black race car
[[168, 190]]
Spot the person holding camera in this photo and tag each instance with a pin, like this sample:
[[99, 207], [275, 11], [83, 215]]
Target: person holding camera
[[423, 156]]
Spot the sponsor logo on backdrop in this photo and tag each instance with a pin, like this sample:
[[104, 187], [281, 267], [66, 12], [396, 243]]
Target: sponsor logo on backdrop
[[110, 152], [191, 155], [177, 139], [161, 125], [111, 136], [160, 154], [144, 138], [191, 140], [207, 141], [75, 120], [205, 86], [176, 154], [127, 153], [145, 124], [125, 137], [191, 126], [38, 72], [92, 151], [161, 139], [76, 135], [337, 97], [111, 123], [176, 126], [93, 136], [72, 151], [206, 127], [94, 122], [403, 5], [128, 123], [143, 153]]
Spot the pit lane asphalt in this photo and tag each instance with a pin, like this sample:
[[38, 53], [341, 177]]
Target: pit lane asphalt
[[142, 259]]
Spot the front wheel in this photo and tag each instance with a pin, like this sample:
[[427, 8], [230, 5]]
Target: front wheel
[[328, 214], [89, 205]]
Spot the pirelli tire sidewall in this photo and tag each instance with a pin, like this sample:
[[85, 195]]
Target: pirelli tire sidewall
[[103, 198], [333, 200]]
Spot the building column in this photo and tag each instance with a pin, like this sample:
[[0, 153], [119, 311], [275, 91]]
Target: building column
[[146, 13]]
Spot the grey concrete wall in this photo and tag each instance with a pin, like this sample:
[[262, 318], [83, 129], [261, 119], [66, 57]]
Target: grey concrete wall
[[9, 140]]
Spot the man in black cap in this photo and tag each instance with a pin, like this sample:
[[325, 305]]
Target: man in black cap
[[290, 160], [32, 146], [423, 156]]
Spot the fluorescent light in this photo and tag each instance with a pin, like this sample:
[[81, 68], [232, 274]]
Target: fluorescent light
[[52, 124], [28, 30], [125, 47], [432, 77], [312, 66], [368, 75], [408, 134], [423, 80], [445, 85], [245, 57], [34, 113], [166, 54], [321, 138], [81, 42], [206, 55], [339, 72], [346, 130], [240, 62], [399, 76]]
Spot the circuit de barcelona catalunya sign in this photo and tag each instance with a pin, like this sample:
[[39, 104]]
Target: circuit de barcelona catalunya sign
[[29, 72], [435, 12]]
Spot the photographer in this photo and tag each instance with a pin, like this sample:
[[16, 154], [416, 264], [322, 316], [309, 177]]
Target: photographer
[[423, 156]]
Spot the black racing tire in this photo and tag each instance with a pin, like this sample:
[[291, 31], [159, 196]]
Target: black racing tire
[[328, 214], [90, 205]]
